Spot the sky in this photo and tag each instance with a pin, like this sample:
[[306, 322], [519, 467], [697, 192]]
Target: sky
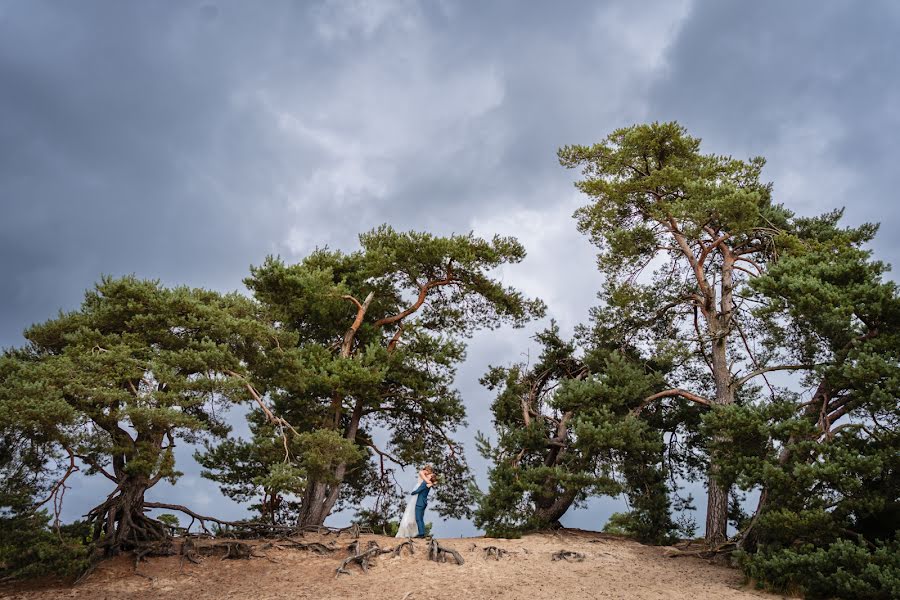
[[187, 140]]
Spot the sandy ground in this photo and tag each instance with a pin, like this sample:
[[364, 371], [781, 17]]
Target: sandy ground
[[613, 568]]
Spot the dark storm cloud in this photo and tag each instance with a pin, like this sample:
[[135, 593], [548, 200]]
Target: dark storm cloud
[[187, 140], [813, 86]]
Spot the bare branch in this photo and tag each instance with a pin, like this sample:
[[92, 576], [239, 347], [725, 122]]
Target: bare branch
[[357, 322], [59, 485], [738, 383], [668, 394]]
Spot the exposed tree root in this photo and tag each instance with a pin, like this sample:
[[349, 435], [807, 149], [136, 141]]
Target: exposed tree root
[[314, 547], [397, 550], [120, 525], [258, 529], [355, 530], [439, 553], [373, 550], [706, 552], [363, 559], [494, 552], [568, 555]]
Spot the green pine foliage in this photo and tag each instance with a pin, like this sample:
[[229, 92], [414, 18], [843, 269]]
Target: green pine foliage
[[851, 569], [370, 340], [568, 429], [115, 384], [348, 361], [30, 547], [827, 465]]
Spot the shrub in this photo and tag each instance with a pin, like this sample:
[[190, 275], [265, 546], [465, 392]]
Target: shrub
[[29, 548], [844, 569]]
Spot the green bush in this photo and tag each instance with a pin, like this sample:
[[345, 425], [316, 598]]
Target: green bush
[[642, 525], [844, 569], [29, 548]]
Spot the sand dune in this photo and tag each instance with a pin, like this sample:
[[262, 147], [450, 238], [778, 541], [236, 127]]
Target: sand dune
[[612, 568]]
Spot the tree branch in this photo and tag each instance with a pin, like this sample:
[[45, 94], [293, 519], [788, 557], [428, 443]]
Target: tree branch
[[423, 293], [383, 454], [357, 322], [270, 416], [738, 383], [712, 246], [669, 393]]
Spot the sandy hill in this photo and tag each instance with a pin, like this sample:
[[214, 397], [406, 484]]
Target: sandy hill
[[611, 568]]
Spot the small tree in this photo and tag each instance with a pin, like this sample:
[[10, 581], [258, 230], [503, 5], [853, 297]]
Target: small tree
[[377, 335], [568, 428], [255, 471]]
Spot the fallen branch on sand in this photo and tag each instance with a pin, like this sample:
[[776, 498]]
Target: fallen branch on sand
[[707, 553]]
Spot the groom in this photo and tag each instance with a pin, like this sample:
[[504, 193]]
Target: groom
[[428, 480]]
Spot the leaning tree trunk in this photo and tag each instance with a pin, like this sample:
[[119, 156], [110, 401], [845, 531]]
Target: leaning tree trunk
[[550, 509]]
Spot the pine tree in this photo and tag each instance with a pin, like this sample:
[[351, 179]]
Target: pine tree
[[570, 427], [827, 464], [113, 385], [376, 337], [707, 226]]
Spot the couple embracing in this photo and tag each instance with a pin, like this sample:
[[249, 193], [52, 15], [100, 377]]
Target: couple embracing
[[413, 522]]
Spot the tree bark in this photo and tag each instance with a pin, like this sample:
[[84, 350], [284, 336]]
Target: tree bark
[[550, 510], [120, 524], [716, 509], [311, 511], [719, 326]]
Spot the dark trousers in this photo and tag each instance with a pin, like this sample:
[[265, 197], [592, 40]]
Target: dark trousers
[[420, 519]]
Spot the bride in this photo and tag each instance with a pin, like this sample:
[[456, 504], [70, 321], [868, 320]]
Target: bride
[[413, 522]]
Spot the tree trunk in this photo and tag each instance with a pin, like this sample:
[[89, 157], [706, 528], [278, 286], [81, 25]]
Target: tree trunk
[[312, 513], [120, 524], [716, 509], [717, 493], [320, 498], [549, 511]]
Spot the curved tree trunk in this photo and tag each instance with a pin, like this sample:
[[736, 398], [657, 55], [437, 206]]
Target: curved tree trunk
[[549, 511]]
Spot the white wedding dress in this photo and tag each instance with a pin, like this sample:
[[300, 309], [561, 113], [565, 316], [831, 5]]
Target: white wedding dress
[[408, 527]]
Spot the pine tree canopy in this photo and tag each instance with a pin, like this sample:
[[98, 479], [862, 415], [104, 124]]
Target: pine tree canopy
[[376, 335]]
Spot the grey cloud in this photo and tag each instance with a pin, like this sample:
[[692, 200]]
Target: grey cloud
[[813, 86]]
